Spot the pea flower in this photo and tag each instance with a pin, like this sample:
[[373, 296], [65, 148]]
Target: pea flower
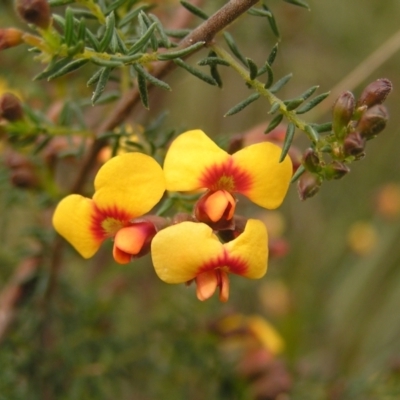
[[191, 251], [126, 187], [195, 162]]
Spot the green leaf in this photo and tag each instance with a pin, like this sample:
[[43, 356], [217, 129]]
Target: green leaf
[[53, 67], [152, 79], [82, 30], [253, 69], [177, 33], [213, 61], [274, 123], [55, 3], [272, 22], [259, 12], [274, 108], [281, 83], [299, 171], [288, 140], [325, 127], [70, 67], [109, 97], [194, 10], [215, 74], [69, 27], [232, 45], [146, 23], [270, 78], [293, 103], [197, 73], [132, 14], [299, 3], [113, 6], [272, 55], [170, 55], [127, 59], [309, 92], [164, 38], [108, 34], [312, 103], [142, 87], [313, 133], [106, 63], [93, 40], [243, 104], [101, 83], [143, 40]]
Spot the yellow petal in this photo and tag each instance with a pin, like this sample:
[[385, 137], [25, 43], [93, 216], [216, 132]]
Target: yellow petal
[[270, 179], [179, 251], [130, 184], [188, 158], [252, 248], [73, 220]]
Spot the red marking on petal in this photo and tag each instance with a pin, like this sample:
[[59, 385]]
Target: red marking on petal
[[106, 222], [234, 265], [227, 176]]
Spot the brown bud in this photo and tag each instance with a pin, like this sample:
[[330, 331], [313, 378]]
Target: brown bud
[[354, 145], [311, 161], [10, 37], [373, 121], [375, 93], [36, 12], [308, 185], [336, 170], [343, 111], [24, 178], [10, 107]]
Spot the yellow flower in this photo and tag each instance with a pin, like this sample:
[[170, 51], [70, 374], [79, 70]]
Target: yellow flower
[[195, 162], [126, 187], [191, 250]]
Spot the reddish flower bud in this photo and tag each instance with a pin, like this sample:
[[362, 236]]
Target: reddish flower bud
[[343, 111], [10, 37], [336, 170], [239, 223], [311, 161], [373, 121], [308, 185], [36, 12], [10, 107], [24, 178], [375, 93], [216, 209], [354, 145]]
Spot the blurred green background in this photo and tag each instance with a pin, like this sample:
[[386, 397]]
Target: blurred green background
[[334, 297]]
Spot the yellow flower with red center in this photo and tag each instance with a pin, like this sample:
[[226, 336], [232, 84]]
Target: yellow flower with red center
[[195, 162], [126, 187], [191, 251]]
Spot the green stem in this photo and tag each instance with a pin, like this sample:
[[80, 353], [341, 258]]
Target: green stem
[[260, 88]]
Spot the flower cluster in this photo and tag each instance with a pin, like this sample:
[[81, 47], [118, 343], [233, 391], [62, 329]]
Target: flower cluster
[[204, 247]]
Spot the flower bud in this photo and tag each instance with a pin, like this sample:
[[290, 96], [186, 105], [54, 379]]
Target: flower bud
[[36, 12], [354, 145], [375, 93], [373, 121], [24, 178], [336, 170], [216, 209], [343, 111], [10, 37], [239, 224], [311, 161], [10, 107], [308, 185]]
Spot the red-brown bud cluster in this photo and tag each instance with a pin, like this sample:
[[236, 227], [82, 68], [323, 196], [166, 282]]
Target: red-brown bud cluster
[[36, 12], [308, 185], [10, 37], [22, 171], [375, 93]]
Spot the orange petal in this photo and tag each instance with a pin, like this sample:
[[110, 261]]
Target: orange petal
[[129, 184], [73, 219], [270, 179], [131, 239], [121, 257], [217, 203], [187, 159], [207, 283]]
